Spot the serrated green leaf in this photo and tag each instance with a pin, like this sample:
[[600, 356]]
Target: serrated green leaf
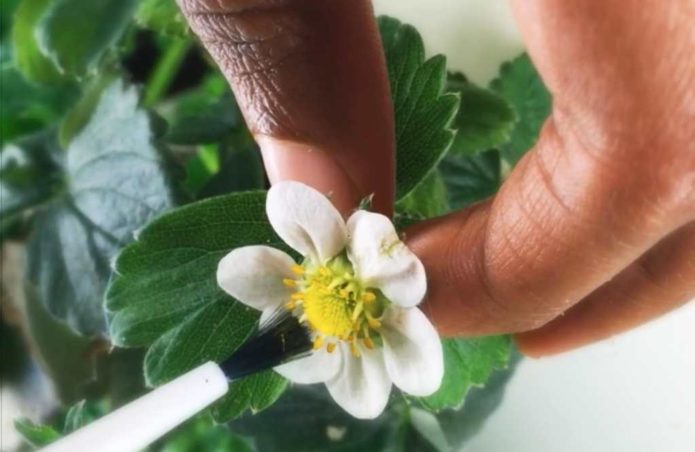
[[255, 393], [76, 34], [115, 183], [467, 363], [28, 57], [36, 435], [162, 16], [166, 294], [470, 179], [520, 84], [484, 120], [423, 111]]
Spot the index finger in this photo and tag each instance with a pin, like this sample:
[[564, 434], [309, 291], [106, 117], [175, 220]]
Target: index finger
[[311, 81]]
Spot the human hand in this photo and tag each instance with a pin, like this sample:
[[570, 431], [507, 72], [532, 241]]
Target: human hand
[[596, 222]]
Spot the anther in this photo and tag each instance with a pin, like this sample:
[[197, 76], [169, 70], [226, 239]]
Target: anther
[[330, 347], [297, 269], [290, 305], [373, 323], [355, 350], [318, 342], [368, 342], [368, 297], [289, 282]]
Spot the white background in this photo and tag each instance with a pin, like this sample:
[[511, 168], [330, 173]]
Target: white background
[[633, 393]]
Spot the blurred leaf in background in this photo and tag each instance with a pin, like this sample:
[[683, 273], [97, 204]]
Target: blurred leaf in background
[[518, 82], [114, 183], [76, 34]]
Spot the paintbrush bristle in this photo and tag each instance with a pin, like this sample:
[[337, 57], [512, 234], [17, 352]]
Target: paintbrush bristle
[[279, 339]]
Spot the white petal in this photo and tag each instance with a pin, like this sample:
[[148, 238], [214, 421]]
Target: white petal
[[318, 367], [412, 351], [306, 220], [381, 260], [254, 274], [362, 386]]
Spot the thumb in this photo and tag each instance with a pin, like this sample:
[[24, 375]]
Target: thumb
[[311, 82]]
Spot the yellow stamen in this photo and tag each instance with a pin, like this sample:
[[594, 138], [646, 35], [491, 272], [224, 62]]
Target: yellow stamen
[[297, 296], [290, 305], [330, 347], [318, 342], [368, 297], [355, 351], [368, 342], [289, 282], [373, 323], [358, 310], [297, 269]]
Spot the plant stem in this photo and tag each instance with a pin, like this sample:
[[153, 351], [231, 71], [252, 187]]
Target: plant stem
[[165, 71]]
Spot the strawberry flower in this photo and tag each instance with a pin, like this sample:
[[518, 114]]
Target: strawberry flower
[[356, 291]]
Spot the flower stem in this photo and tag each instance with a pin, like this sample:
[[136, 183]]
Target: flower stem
[[165, 71]]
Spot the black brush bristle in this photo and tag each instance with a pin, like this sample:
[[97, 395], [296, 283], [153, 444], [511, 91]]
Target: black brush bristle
[[279, 339]]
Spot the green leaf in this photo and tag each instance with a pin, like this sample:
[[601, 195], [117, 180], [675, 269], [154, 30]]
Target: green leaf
[[81, 414], [429, 199], [470, 179], [36, 435], [115, 183], [484, 120], [28, 57], [204, 115], [520, 84], [210, 334], [27, 107], [467, 363], [166, 294], [76, 34], [423, 111], [255, 393], [162, 16]]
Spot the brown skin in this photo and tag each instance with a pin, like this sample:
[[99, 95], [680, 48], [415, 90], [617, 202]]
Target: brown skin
[[592, 234]]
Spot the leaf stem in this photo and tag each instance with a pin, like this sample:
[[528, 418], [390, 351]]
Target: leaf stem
[[165, 71]]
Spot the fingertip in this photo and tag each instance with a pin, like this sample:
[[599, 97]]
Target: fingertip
[[311, 165]]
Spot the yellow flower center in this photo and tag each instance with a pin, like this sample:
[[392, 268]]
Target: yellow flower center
[[334, 305]]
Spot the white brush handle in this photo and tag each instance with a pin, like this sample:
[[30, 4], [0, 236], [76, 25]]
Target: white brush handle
[[134, 426]]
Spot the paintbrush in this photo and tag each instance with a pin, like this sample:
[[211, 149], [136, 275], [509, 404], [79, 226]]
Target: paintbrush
[[132, 427]]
